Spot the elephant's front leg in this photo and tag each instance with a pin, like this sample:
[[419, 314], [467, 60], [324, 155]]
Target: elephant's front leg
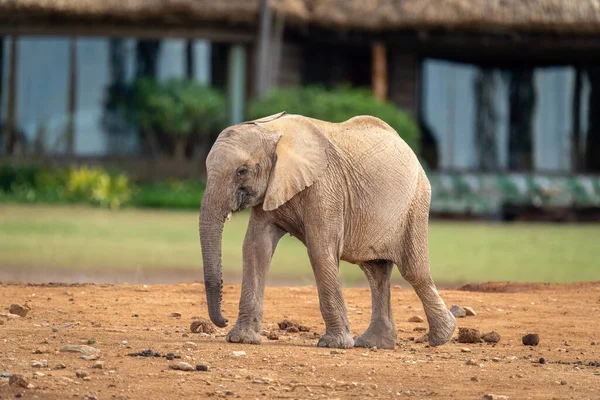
[[259, 244], [333, 309]]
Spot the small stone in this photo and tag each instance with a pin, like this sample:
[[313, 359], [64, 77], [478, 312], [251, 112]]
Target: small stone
[[87, 378], [458, 311], [542, 360], [292, 329], [491, 337], [98, 365], [470, 312], [181, 366], [272, 336], [124, 342], [54, 329], [4, 375], [190, 345], [201, 367], [495, 397], [468, 335], [202, 325], [18, 380], [60, 366], [594, 343], [19, 310], [175, 315], [81, 373], [471, 362], [337, 351], [41, 350], [416, 318], [474, 379], [238, 353], [423, 339], [496, 359], [80, 348], [264, 332], [531, 339], [465, 350], [170, 356], [563, 383], [39, 364]]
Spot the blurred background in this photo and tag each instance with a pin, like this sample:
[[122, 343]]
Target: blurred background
[[109, 108]]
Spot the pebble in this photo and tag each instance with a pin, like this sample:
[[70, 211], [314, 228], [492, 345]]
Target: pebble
[[471, 362], [238, 353], [175, 315], [423, 339], [98, 365], [416, 318], [470, 312], [5, 375], [465, 350], [474, 379], [563, 382], [468, 335], [542, 360], [124, 342], [190, 345], [60, 366], [80, 348], [495, 397], [594, 343], [18, 380], [458, 311], [337, 352], [201, 367], [491, 337], [39, 363], [202, 326], [496, 359], [531, 339], [273, 336], [81, 373], [182, 366], [18, 309]]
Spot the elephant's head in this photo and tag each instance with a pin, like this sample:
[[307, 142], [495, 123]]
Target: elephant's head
[[259, 163]]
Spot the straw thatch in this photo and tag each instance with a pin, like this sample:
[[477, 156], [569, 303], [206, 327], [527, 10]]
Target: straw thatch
[[561, 16], [170, 12]]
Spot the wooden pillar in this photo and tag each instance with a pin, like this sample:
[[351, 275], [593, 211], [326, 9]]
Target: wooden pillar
[[576, 124], [379, 71], [236, 84], [11, 101], [190, 68], [72, 100], [261, 72], [276, 45]]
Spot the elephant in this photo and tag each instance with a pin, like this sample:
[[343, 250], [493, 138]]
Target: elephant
[[352, 191]]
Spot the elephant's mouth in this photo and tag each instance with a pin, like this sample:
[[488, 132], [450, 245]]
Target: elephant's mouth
[[243, 198]]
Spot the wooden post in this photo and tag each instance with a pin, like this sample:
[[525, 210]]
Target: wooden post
[[190, 68], [236, 84], [72, 100], [11, 101], [261, 72], [576, 134], [276, 45], [379, 71]]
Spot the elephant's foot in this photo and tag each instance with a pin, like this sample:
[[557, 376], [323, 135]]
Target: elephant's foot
[[441, 329], [243, 335], [379, 334], [340, 341]]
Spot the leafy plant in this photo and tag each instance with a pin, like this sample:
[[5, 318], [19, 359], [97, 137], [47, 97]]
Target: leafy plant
[[337, 105], [95, 185]]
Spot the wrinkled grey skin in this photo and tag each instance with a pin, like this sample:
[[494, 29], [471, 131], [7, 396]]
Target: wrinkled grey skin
[[352, 191]]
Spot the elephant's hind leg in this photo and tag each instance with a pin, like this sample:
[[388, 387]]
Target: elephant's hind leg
[[414, 266], [382, 330]]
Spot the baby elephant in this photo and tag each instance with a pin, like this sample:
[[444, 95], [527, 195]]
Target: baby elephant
[[351, 191]]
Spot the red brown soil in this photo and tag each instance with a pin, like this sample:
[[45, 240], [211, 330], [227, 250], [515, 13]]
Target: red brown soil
[[567, 318]]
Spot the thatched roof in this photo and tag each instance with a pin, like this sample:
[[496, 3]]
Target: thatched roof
[[563, 16], [170, 12]]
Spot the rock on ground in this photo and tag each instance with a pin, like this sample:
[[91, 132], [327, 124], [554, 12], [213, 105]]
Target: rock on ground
[[458, 311], [202, 326], [468, 335], [98, 365], [416, 318], [272, 336], [292, 326], [495, 397], [182, 366], [531, 339], [80, 348], [19, 310], [81, 373], [470, 312], [18, 380], [491, 337]]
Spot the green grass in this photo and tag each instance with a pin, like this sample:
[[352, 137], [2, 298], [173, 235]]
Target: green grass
[[85, 238]]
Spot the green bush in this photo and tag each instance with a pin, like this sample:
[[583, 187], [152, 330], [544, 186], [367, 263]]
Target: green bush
[[96, 186], [176, 111], [177, 194], [337, 105]]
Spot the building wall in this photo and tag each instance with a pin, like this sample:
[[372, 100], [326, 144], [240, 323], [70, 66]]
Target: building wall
[[43, 87], [449, 109]]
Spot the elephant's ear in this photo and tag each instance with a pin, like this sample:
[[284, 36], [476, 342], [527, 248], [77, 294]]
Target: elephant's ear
[[302, 157]]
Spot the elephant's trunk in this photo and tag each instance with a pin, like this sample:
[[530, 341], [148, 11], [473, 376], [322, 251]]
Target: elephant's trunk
[[212, 218]]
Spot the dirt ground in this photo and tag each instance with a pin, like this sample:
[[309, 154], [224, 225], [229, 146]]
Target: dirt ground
[[123, 319]]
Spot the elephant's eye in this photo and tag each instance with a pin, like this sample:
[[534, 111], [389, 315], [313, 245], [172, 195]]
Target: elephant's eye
[[242, 171]]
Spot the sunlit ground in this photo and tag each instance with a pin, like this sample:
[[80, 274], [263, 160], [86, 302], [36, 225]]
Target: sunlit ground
[[81, 240]]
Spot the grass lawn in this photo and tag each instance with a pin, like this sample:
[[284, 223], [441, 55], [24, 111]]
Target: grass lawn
[[84, 238]]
